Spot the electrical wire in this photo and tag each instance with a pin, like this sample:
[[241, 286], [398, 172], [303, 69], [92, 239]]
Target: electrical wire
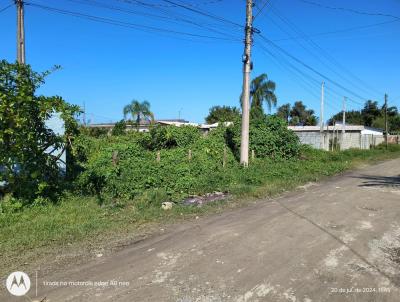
[[188, 4], [169, 12], [5, 8], [330, 59], [308, 82], [350, 10], [310, 68], [344, 30], [260, 9], [206, 14], [173, 19], [124, 24]]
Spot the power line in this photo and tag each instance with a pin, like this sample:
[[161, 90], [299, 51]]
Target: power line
[[330, 59], [125, 24], [150, 15], [344, 30], [307, 81], [203, 13], [169, 12], [188, 4], [261, 9], [5, 8], [350, 10], [309, 67]]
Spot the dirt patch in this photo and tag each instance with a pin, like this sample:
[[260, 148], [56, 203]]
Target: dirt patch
[[208, 198]]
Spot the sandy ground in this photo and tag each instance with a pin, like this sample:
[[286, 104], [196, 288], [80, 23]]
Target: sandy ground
[[334, 241]]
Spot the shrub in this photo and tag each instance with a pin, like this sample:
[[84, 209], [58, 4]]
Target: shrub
[[166, 137], [269, 137], [119, 128], [137, 169], [94, 132]]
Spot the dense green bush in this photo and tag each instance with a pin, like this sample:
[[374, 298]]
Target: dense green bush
[[135, 169], [166, 137], [126, 166], [93, 131], [119, 128], [269, 138]]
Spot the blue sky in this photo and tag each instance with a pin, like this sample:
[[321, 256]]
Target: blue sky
[[106, 66]]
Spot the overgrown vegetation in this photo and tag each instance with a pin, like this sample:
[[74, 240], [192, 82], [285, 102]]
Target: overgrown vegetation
[[29, 150]]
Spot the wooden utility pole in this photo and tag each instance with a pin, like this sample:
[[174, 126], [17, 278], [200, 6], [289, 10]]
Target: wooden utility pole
[[244, 146], [20, 32], [386, 121], [321, 117]]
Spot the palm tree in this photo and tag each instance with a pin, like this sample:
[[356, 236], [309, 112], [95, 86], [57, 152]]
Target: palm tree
[[139, 111], [262, 90]]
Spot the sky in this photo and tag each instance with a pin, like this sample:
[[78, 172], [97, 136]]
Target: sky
[[105, 66]]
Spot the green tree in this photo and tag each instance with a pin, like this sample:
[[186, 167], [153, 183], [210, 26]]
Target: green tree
[[138, 111], [300, 115], [284, 112], [394, 124], [219, 114], [353, 117], [370, 112], [28, 149], [393, 121]]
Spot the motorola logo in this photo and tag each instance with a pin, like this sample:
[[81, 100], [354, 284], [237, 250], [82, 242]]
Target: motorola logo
[[18, 283]]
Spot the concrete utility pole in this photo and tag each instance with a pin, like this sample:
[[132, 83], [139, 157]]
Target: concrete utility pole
[[244, 146], [20, 32], [344, 116], [321, 117], [343, 124], [386, 121]]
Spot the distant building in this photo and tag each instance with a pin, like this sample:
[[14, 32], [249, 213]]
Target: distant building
[[356, 136], [144, 126]]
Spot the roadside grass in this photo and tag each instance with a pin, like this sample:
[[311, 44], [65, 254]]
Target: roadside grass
[[79, 221]]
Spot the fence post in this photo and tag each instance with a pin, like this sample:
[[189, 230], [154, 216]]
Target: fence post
[[115, 158], [190, 154], [252, 155], [158, 156], [224, 158]]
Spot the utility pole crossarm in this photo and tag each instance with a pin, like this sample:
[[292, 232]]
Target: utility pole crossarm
[[244, 146]]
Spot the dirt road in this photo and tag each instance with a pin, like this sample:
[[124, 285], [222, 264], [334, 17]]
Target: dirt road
[[334, 241]]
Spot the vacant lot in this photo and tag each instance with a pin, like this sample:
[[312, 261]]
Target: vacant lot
[[334, 241]]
